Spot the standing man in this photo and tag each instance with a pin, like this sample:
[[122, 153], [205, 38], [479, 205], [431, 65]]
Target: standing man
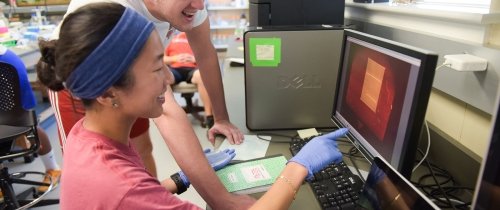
[[191, 17]]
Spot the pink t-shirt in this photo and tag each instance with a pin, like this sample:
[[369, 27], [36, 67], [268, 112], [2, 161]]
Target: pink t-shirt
[[99, 173]]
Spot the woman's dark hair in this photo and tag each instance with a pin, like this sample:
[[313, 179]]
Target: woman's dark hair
[[80, 33]]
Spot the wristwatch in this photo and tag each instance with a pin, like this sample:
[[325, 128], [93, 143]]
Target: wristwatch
[[181, 187]]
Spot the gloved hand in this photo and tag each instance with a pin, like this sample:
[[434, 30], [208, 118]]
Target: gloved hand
[[216, 159], [219, 159], [320, 152]]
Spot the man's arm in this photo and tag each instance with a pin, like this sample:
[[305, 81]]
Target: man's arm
[[178, 134], [206, 57]]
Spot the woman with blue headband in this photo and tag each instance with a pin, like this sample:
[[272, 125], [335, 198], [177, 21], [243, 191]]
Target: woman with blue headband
[[174, 124], [111, 58], [191, 17]]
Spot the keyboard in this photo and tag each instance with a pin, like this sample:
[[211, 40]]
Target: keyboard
[[335, 187]]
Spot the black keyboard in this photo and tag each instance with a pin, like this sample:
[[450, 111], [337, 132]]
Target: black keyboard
[[335, 187]]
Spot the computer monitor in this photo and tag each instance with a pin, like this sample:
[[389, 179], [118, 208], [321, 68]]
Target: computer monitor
[[296, 12], [384, 88], [387, 189], [487, 193]]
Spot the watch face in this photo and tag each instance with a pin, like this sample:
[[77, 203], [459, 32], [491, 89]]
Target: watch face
[[181, 187]]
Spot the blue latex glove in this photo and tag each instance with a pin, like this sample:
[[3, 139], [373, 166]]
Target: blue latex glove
[[320, 152], [219, 159], [216, 159]]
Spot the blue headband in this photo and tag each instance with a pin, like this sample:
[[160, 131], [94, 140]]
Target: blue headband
[[112, 58]]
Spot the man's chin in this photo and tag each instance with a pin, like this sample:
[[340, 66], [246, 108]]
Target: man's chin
[[183, 27]]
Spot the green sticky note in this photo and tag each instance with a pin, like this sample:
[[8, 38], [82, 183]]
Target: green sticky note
[[265, 52]]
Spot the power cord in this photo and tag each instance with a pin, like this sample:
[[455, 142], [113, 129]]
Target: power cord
[[443, 64], [443, 196], [352, 152], [428, 147]]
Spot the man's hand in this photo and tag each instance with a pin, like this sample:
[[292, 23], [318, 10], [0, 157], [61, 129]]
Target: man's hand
[[185, 58], [224, 127]]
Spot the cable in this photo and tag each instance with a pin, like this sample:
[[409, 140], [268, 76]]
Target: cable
[[428, 147], [452, 200], [437, 191], [439, 186], [260, 136], [344, 140], [353, 151], [327, 130], [443, 64]]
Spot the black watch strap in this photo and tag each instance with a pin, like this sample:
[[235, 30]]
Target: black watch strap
[[178, 183]]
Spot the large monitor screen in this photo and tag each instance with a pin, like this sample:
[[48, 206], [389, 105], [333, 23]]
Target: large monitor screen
[[487, 193], [382, 97], [386, 189]]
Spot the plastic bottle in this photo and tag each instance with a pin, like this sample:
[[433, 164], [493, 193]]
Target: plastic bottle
[[33, 20], [241, 27], [38, 13]]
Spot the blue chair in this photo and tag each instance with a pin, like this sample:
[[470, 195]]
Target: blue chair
[[16, 122]]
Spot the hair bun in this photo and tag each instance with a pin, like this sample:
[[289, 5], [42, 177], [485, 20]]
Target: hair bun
[[45, 67]]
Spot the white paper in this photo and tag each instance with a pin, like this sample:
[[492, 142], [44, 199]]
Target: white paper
[[305, 133], [237, 60], [251, 148], [264, 52]]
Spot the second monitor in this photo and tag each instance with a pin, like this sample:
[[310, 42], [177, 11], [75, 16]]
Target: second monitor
[[384, 88]]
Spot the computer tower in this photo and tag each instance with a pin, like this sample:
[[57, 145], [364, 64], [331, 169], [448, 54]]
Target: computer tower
[[291, 76], [296, 12], [370, 1]]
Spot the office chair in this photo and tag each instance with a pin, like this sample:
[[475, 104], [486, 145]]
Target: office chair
[[16, 122], [187, 91]]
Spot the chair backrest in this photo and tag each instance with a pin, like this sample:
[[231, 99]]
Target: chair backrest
[[11, 110], [13, 117], [184, 87]]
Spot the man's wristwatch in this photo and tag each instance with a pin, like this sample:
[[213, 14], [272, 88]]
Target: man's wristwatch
[[181, 187]]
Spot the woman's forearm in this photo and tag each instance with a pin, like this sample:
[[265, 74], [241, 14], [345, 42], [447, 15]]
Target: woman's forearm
[[282, 192]]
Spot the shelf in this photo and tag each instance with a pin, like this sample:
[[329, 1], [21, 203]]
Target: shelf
[[214, 27], [225, 20], [213, 8], [220, 46], [29, 9]]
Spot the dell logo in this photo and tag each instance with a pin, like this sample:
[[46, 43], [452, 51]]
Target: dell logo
[[298, 81]]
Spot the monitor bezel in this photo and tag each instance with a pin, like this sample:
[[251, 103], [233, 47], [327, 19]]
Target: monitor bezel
[[489, 169], [418, 107], [423, 201]]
